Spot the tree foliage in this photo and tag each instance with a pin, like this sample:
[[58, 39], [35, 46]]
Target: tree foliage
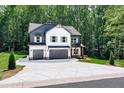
[[101, 27], [12, 62], [111, 59]]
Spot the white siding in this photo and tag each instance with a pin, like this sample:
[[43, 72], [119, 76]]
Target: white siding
[[59, 32], [35, 47], [45, 50], [56, 31], [79, 50]]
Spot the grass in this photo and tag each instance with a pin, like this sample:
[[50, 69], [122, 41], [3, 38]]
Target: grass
[[119, 63], [4, 56]]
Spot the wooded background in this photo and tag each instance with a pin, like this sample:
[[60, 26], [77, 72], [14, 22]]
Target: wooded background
[[101, 27]]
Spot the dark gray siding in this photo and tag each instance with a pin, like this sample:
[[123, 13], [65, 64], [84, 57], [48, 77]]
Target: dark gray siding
[[40, 31], [77, 44]]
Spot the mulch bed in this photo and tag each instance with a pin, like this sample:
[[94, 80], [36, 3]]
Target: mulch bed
[[9, 73]]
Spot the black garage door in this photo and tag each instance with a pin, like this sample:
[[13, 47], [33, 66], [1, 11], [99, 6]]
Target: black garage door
[[58, 54], [37, 54]]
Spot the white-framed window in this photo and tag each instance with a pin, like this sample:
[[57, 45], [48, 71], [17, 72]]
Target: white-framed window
[[74, 40], [53, 39], [63, 39], [76, 51], [37, 39]]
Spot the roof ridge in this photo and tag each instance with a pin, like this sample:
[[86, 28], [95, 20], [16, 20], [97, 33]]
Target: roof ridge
[[35, 23]]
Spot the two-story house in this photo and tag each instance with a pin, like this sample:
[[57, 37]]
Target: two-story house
[[51, 41]]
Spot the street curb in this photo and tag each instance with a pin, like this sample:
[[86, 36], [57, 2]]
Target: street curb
[[41, 83]]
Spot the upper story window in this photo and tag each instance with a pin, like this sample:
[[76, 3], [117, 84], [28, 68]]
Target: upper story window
[[38, 39], [74, 40], [53, 39], [64, 39]]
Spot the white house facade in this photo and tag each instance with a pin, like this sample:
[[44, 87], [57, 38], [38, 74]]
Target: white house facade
[[50, 41]]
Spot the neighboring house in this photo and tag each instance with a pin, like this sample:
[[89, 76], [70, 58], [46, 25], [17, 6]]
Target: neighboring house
[[50, 41]]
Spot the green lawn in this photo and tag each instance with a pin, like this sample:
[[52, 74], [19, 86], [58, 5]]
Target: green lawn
[[4, 73], [119, 63], [4, 56]]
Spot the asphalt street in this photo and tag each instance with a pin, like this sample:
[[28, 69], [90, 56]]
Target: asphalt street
[[104, 83]]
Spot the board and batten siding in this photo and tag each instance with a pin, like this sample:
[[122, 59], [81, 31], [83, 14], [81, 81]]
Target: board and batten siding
[[58, 32]]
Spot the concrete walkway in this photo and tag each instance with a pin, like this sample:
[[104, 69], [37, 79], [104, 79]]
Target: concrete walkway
[[51, 72]]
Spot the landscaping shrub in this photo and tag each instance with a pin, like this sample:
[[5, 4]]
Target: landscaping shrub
[[111, 59], [12, 61], [93, 53], [0, 78]]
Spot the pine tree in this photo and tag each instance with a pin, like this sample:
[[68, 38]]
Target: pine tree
[[12, 63], [111, 58]]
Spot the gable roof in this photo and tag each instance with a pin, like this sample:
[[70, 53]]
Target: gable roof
[[42, 27], [46, 27], [33, 26], [72, 30]]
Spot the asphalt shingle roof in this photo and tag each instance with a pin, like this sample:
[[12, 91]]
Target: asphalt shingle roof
[[71, 29], [33, 26]]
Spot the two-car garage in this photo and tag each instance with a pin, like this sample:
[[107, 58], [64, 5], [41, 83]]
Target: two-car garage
[[38, 52], [53, 54]]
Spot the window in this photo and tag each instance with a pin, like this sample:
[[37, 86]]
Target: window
[[74, 40], [53, 39], [37, 39], [75, 51], [64, 39]]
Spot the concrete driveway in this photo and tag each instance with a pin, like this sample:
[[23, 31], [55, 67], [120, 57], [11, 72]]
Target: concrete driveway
[[51, 72]]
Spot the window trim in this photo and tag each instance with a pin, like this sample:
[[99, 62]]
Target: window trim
[[74, 40], [36, 39], [76, 51], [64, 38], [51, 39]]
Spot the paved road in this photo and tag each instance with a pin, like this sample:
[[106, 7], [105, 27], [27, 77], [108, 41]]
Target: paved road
[[105, 83]]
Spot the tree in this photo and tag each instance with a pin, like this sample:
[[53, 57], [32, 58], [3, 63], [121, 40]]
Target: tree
[[12, 62], [98, 25], [98, 22], [111, 58], [114, 26]]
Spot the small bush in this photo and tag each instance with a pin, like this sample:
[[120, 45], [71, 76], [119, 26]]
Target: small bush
[[12, 62], [111, 59], [0, 78]]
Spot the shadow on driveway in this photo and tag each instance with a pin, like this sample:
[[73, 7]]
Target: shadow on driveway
[[104, 83], [47, 61]]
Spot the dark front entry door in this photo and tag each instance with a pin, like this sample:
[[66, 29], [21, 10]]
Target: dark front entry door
[[58, 54], [37, 54]]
